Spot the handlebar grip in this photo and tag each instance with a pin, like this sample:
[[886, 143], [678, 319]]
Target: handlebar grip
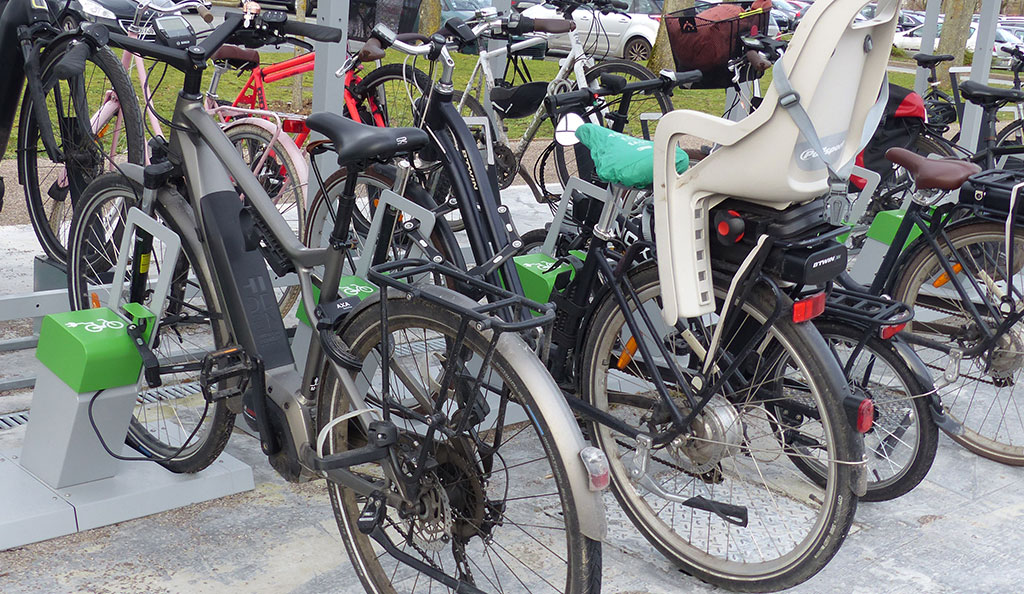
[[688, 76], [412, 38], [371, 51], [312, 31], [619, 4], [73, 62], [555, 26], [205, 14], [570, 99]]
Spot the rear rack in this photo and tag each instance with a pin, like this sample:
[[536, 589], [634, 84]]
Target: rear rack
[[866, 309]]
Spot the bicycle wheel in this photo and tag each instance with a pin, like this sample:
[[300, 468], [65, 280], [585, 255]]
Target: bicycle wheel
[[372, 181], [1012, 135], [390, 92], [111, 111], [739, 450], [568, 160], [189, 327], [507, 521], [901, 444], [983, 398], [280, 179]]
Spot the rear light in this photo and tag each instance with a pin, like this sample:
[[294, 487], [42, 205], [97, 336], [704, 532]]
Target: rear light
[[865, 415], [294, 126], [887, 332], [809, 308], [596, 464]]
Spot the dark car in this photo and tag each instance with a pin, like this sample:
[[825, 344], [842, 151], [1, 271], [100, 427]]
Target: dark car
[[117, 15]]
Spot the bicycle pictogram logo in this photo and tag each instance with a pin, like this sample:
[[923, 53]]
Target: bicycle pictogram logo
[[97, 325], [354, 290]]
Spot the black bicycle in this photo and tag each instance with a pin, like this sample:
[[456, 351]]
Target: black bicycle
[[59, 151]]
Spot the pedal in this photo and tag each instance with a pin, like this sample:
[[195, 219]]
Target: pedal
[[221, 366], [372, 515]]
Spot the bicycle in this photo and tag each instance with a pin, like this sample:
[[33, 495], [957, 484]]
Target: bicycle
[[605, 296], [58, 153], [957, 270], [402, 400]]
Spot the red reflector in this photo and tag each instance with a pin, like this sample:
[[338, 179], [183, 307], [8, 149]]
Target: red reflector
[[723, 228], [887, 332], [809, 308], [865, 415], [294, 126]]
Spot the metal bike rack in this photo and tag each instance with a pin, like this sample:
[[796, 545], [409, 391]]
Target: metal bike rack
[[63, 481]]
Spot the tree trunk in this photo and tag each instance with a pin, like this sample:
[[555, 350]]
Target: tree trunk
[[661, 53], [430, 16], [955, 31]]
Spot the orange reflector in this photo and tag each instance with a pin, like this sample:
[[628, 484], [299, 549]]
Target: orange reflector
[[809, 308], [944, 278], [627, 354], [94, 300], [887, 332], [865, 415]]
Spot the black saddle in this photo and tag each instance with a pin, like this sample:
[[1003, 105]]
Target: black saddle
[[355, 142], [985, 95], [236, 57], [520, 101], [929, 60]]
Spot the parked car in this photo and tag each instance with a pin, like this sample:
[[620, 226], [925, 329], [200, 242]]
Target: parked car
[[911, 41], [785, 14], [615, 35], [117, 15]]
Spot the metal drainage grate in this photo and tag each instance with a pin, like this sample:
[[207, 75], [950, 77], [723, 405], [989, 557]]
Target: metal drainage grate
[[172, 392], [12, 420]]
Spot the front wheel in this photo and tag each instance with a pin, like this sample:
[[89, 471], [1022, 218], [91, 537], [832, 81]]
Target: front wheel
[[984, 396], [737, 452], [495, 507], [172, 424]]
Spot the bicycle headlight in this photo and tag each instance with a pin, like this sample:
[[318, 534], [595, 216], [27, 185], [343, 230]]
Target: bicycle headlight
[[95, 9]]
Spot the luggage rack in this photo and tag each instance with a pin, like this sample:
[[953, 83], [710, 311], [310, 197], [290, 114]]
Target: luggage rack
[[867, 309]]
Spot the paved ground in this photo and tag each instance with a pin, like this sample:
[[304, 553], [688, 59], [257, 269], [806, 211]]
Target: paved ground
[[958, 532]]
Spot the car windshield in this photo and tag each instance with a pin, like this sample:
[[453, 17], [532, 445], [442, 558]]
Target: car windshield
[[1004, 36]]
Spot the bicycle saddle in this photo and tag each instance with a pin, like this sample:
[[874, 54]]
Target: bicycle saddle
[[929, 60], [983, 95], [933, 174], [236, 57], [354, 142]]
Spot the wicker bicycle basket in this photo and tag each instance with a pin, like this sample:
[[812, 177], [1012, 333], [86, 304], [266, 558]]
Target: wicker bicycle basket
[[706, 39]]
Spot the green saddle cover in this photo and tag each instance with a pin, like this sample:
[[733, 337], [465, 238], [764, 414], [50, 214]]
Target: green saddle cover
[[622, 159]]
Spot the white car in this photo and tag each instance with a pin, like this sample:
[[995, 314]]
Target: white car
[[910, 40], [608, 35]]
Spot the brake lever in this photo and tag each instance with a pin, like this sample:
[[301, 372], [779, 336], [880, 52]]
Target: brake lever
[[298, 42]]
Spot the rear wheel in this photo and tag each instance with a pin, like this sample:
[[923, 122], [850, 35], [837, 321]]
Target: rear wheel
[[172, 421], [95, 119], [504, 521], [738, 451], [1011, 135]]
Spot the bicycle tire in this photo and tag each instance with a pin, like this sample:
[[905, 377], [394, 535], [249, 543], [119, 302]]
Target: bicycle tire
[[547, 535], [992, 438], [903, 420], [565, 158], [387, 85], [718, 472], [191, 321], [279, 178], [50, 202]]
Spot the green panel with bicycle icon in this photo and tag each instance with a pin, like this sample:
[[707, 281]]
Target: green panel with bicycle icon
[[349, 287], [90, 349]]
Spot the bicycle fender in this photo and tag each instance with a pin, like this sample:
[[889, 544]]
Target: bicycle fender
[[296, 155], [921, 373]]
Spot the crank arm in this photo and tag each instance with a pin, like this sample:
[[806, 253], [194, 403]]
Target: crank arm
[[733, 514]]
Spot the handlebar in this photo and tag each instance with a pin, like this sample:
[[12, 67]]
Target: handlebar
[[616, 85]]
